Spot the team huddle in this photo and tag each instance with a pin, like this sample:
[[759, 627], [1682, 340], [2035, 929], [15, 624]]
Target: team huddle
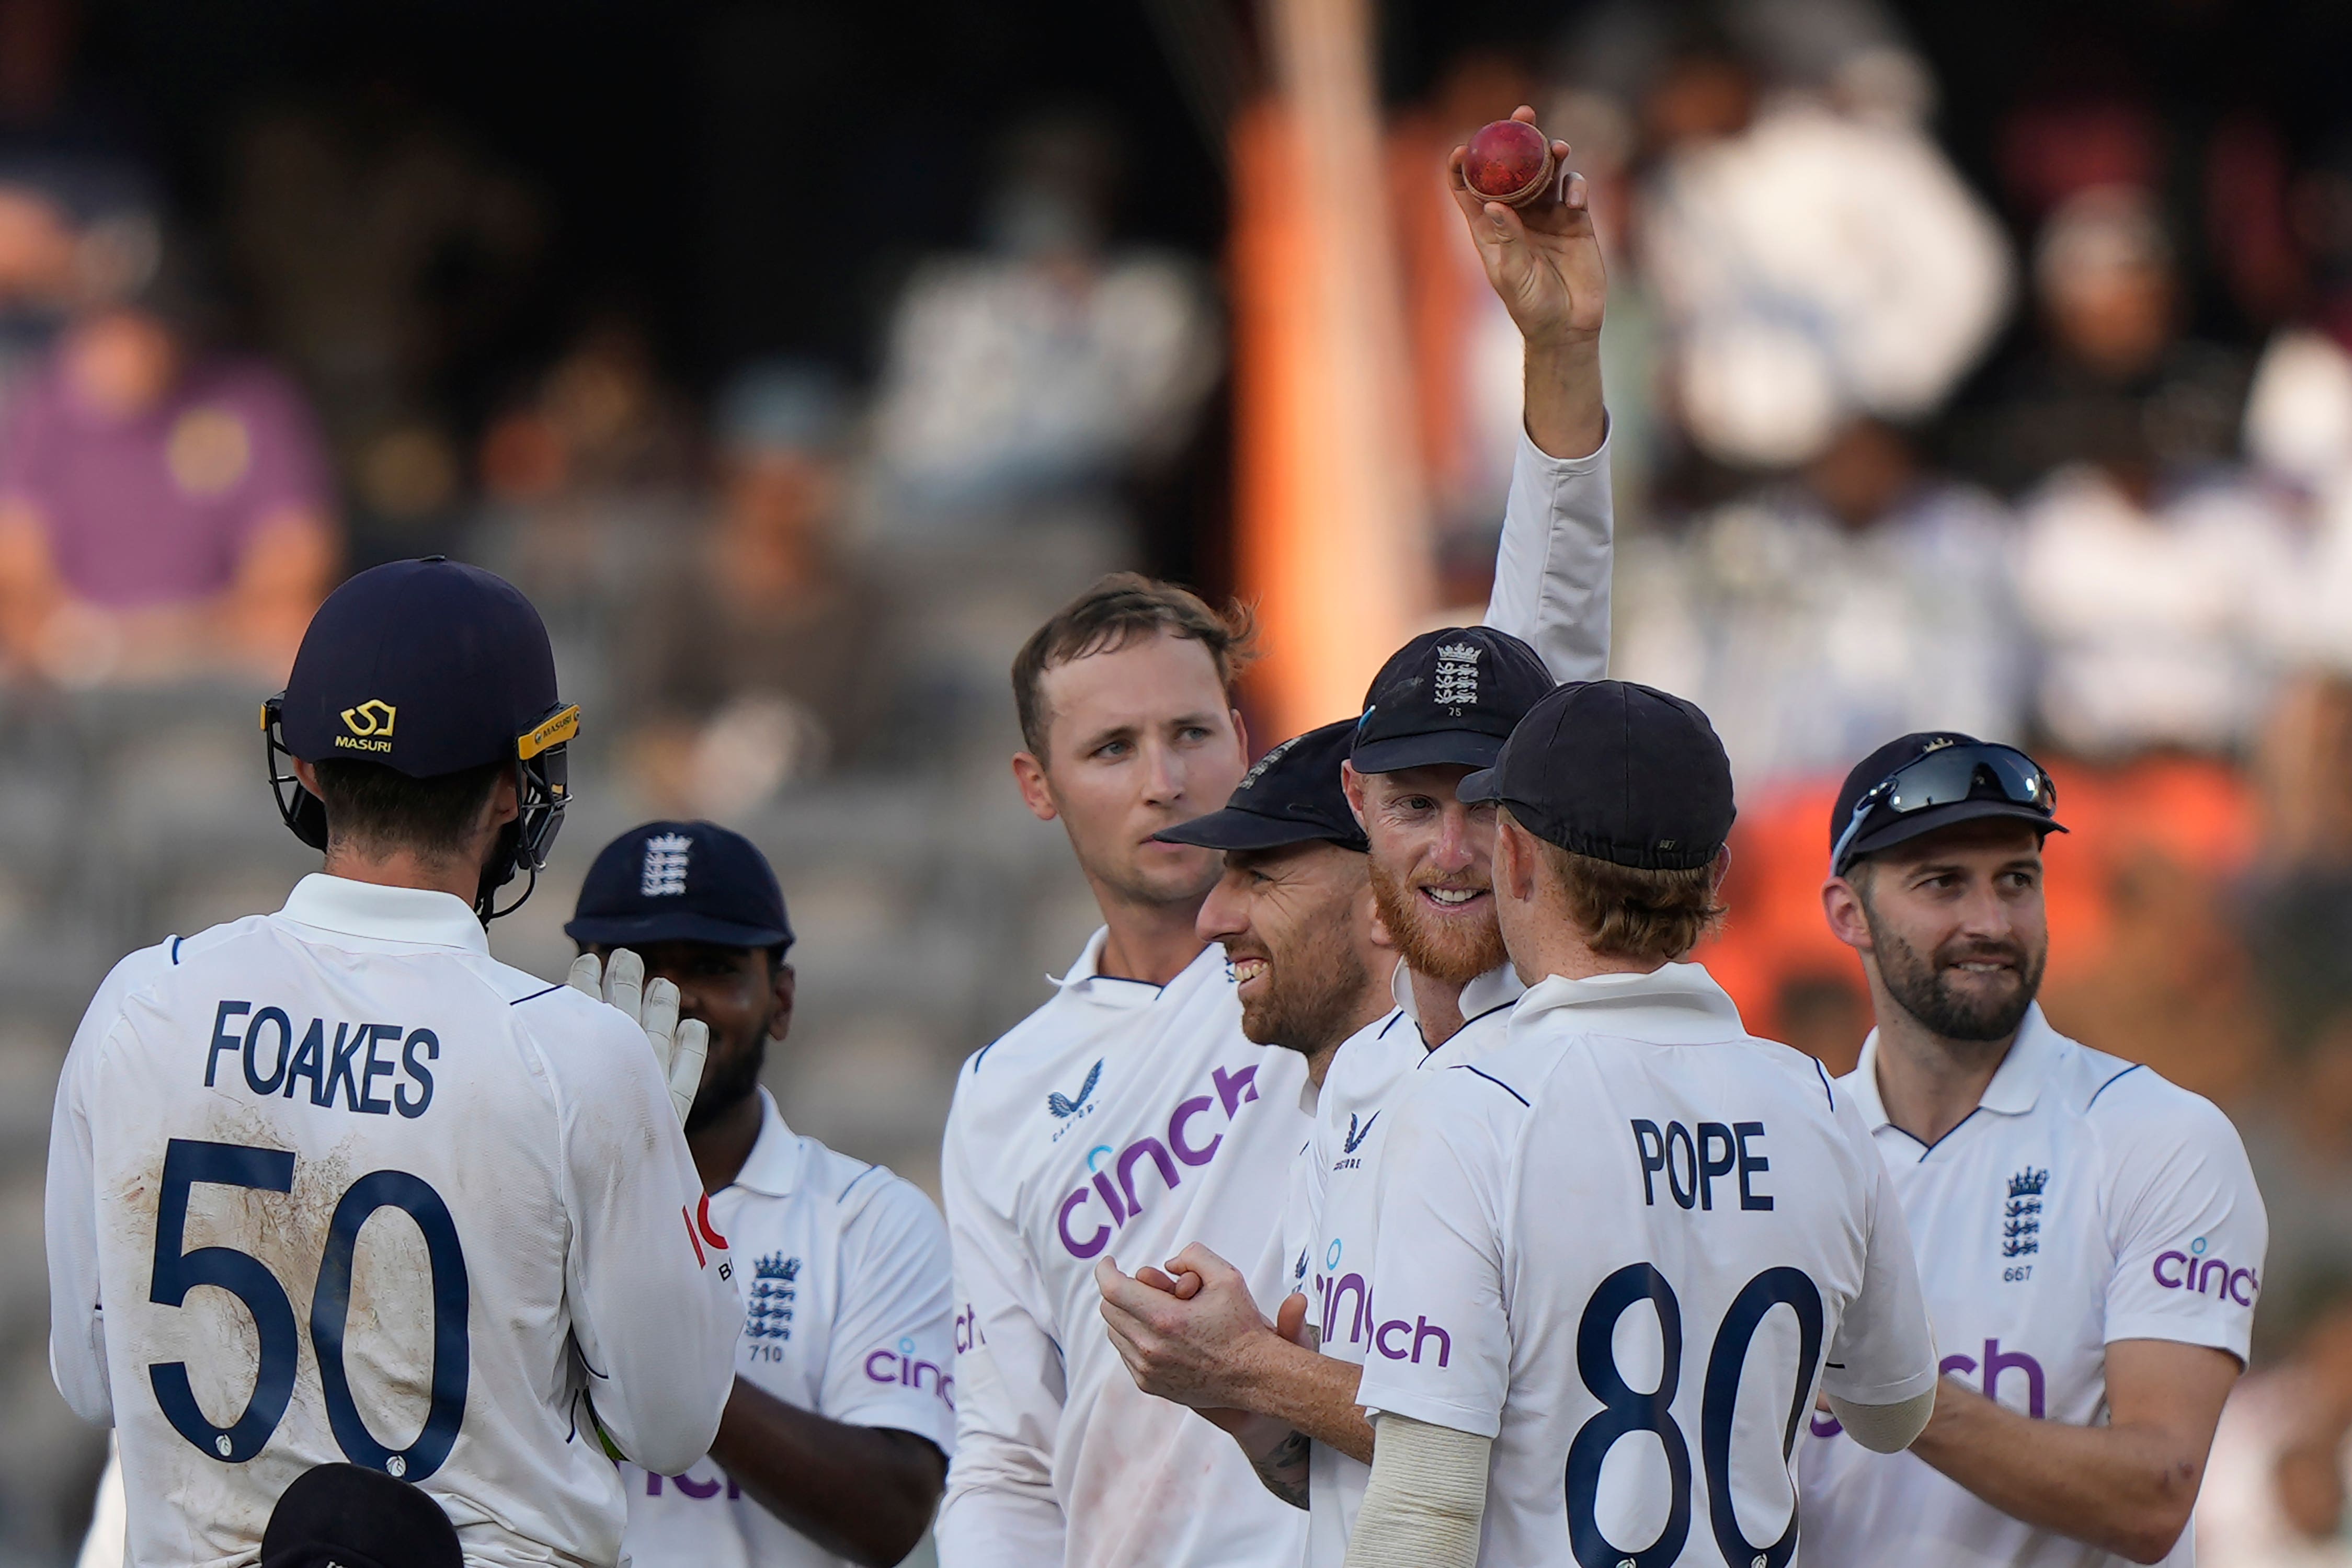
[[1382, 1186]]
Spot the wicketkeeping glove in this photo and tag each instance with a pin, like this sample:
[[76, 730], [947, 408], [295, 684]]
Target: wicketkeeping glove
[[678, 1047]]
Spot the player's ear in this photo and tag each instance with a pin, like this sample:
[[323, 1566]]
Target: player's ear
[[1514, 861], [1029, 775], [783, 985], [1351, 784], [1241, 731], [1718, 868], [1842, 905]]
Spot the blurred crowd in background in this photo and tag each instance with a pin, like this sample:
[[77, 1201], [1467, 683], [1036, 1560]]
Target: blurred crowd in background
[[2047, 437]]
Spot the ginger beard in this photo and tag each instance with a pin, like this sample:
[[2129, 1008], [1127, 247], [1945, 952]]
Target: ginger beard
[[1452, 950]]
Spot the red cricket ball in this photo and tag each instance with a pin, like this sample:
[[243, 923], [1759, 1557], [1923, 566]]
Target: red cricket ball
[[1509, 161]]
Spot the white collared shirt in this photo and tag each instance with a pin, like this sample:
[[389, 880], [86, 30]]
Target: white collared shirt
[[1369, 1076], [1059, 1458], [845, 1286], [1634, 1201], [454, 1200], [2085, 1200], [1120, 1119]]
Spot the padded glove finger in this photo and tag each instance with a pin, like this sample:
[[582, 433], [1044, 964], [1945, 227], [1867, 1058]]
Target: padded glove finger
[[686, 1065], [624, 983], [660, 1021], [587, 976]]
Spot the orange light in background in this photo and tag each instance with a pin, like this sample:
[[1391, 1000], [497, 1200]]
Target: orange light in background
[[1332, 542]]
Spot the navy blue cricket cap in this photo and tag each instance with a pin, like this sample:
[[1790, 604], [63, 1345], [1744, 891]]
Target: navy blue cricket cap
[[1622, 772], [680, 882], [1448, 696], [2001, 781], [353, 1517], [428, 667], [1291, 796]]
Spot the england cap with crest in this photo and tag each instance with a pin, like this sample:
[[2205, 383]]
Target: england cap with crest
[[1448, 696], [680, 882]]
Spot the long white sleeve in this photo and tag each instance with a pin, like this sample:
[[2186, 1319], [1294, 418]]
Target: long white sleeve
[[1000, 1511], [1552, 568], [654, 1309], [76, 1321], [76, 1315]]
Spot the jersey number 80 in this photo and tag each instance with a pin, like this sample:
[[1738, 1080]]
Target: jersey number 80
[[1628, 1410], [187, 1162]]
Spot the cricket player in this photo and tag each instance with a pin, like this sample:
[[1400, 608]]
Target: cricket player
[[1131, 1116], [833, 1449], [333, 1184], [1619, 1256], [1295, 915], [1439, 709], [2090, 1237]]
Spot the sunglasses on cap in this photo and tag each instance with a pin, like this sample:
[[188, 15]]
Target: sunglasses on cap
[[1945, 777]]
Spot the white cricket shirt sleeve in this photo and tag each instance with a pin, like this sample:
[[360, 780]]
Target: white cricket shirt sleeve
[[654, 1308], [894, 1337], [2184, 1217], [1000, 1511], [1441, 1352], [1885, 1350], [1552, 567], [76, 1315]]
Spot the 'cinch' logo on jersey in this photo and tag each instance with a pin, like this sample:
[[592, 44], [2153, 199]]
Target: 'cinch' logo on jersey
[[1113, 1173], [901, 1367], [2193, 1270]]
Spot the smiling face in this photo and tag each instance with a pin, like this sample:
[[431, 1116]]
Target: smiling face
[[1952, 926], [1432, 869], [1297, 928], [1138, 739]]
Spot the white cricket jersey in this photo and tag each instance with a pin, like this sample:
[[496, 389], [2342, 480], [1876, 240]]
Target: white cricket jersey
[[1059, 1456], [1120, 1119], [846, 1314], [1630, 1246], [334, 1183], [2086, 1200], [1369, 1076]]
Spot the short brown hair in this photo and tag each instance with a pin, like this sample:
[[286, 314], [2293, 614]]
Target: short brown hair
[[1627, 912], [1112, 613], [371, 806]]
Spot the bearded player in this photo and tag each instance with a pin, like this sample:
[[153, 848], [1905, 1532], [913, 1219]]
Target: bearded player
[[2090, 1237], [1441, 707], [1132, 1115]]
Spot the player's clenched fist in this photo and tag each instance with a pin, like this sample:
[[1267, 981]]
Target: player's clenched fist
[[678, 1047]]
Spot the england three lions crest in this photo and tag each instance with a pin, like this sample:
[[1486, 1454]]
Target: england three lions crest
[[2020, 1216], [1458, 677]]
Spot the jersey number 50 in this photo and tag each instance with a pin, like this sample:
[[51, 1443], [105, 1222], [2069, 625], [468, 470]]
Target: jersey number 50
[[1629, 1410], [187, 1162]]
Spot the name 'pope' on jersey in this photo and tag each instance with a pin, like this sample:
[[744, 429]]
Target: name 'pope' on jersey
[[1631, 1246]]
